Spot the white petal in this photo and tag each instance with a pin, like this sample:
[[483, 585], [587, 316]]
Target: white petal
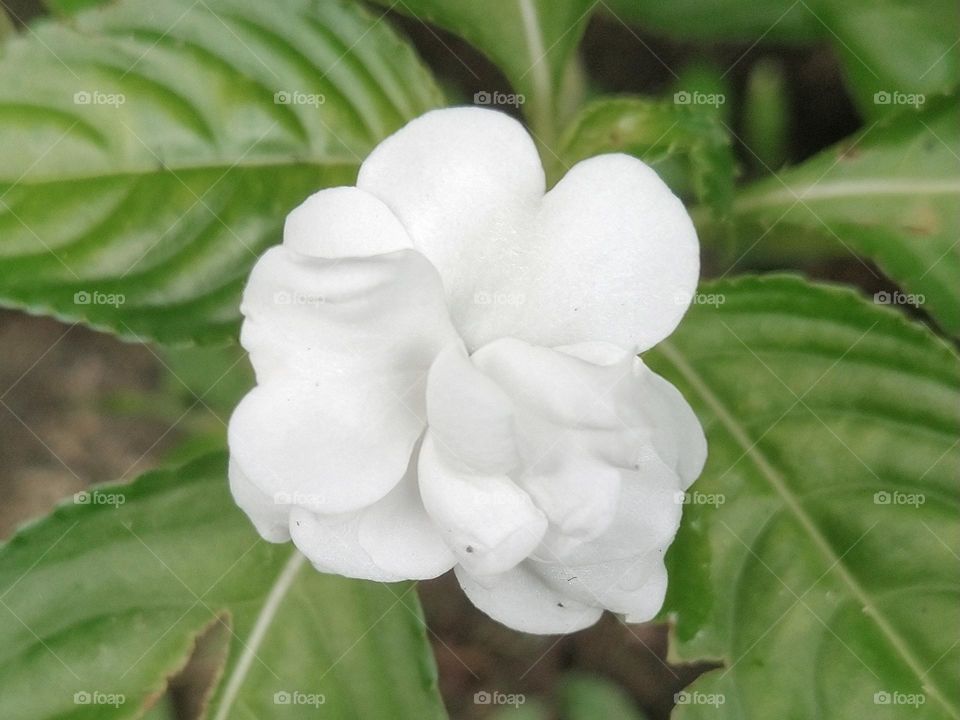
[[460, 180], [391, 540], [488, 522], [271, 519], [622, 259], [470, 417], [343, 222], [678, 435], [340, 402], [522, 601], [577, 492], [608, 254], [618, 570]]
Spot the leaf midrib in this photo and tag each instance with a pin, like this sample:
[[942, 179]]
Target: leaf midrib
[[728, 420], [271, 605], [845, 189]]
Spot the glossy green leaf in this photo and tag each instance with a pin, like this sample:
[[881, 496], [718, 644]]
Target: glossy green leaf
[[686, 143], [895, 54], [152, 150], [891, 195], [817, 559], [103, 600], [530, 40]]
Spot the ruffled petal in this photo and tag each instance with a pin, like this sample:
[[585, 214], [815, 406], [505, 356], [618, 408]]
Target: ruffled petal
[[271, 519], [344, 222], [340, 402], [608, 254], [488, 522], [521, 600], [622, 570], [389, 541], [471, 418]]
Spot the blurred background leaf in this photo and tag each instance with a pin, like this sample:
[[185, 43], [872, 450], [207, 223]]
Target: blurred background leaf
[[530, 40], [113, 593], [891, 194], [824, 525], [154, 155]]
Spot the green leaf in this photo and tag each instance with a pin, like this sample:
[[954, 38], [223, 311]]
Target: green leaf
[[817, 559], [892, 51], [891, 195], [109, 596], [686, 143], [152, 158], [530, 40]]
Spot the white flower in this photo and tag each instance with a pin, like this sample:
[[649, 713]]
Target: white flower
[[446, 375]]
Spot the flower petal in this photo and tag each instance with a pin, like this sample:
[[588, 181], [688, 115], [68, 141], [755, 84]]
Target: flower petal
[[389, 541], [460, 180], [271, 519], [344, 222], [608, 254], [488, 522], [340, 402], [470, 416], [521, 600], [620, 260], [620, 569]]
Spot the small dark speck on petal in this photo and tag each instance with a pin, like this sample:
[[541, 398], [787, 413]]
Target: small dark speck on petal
[[469, 548]]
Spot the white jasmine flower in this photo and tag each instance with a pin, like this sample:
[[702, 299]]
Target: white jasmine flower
[[446, 375]]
